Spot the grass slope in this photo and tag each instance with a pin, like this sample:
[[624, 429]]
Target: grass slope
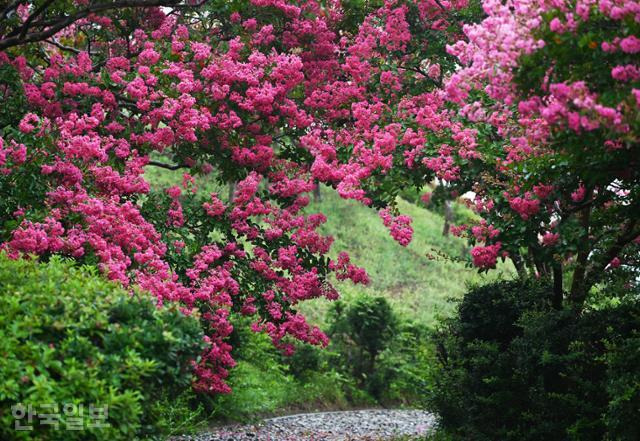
[[419, 287]]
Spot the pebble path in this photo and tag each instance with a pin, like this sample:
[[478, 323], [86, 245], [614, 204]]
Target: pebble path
[[355, 425]]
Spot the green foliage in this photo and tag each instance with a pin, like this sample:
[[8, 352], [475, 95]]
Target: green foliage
[[265, 382], [361, 330], [623, 386], [389, 356], [368, 323], [406, 365], [69, 336], [12, 97], [513, 368]]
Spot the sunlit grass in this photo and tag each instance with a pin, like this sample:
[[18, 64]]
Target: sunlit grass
[[420, 287]]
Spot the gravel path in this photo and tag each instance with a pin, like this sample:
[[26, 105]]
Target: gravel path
[[355, 425]]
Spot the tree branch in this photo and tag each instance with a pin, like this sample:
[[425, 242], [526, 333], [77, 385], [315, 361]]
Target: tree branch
[[167, 166], [578, 285], [63, 47], [628, 234], [25, 27], [55, 25]]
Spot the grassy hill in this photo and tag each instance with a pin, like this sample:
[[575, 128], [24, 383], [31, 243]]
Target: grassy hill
[[418, 286]]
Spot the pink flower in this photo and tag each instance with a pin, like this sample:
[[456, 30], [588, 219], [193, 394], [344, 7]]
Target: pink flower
[[549, 239], [526, 206], [148, 56], [636, 95], [28, 123], [630, 45], [485, 256], [579, 194], [214, 208], [174, 192], [556, 26], [400, 226], [542, 191], [434, 71], [615, 263]]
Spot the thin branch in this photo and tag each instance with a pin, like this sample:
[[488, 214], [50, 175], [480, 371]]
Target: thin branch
[[167, 166], [421, 72], [578, 284], [11, 7], [439, 3], [36, 13], [63, 47], [628, 234]]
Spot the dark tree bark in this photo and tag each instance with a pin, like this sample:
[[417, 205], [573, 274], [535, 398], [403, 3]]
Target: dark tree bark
[[519, 264], [39, 27], [558, 293], [578, 289], [448, 218], [316, 192]]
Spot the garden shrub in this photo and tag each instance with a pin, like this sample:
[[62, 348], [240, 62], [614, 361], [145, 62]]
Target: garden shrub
[[403, 369], [265, 381], [514, 368], [67, 336], [623, 386], [360, 331]]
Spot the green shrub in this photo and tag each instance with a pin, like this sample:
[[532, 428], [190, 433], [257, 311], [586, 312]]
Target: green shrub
[[69, 336], [266, 382], [403, 369], [513, 368], [360, 331], [623, 386]]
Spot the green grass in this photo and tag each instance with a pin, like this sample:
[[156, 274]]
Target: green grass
[[161, 178], [419, 287]]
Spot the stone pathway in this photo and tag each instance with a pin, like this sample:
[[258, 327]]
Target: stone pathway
[[355, 425]]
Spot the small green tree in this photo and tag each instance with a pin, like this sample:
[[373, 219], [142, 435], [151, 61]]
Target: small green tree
[[362, 330]]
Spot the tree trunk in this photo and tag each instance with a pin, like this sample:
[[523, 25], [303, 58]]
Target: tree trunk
[[557, 285], [317, 197], [232, 190], [517, 262], [578, 286], [448, 218]]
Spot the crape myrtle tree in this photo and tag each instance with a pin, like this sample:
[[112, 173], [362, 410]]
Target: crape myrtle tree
[[550, 93], [209, 88], [270, 94], [540, 122]]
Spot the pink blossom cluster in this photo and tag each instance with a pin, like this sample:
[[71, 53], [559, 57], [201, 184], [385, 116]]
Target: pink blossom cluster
[[399, 226], [486, 257]]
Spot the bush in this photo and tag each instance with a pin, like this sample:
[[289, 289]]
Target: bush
[[67, 336], [360, 331], [267, 382], [513, 368], [403, 369]]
